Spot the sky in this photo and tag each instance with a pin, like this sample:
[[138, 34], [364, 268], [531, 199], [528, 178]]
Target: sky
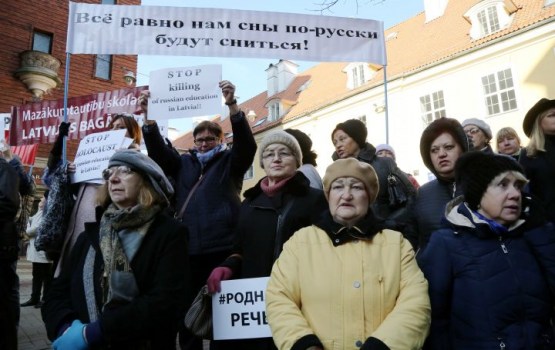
[[249, 75]]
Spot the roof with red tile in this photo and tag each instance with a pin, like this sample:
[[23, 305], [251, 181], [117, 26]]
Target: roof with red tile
[[414, 44]]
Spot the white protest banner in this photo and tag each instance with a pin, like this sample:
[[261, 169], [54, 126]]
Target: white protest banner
[[2, 128], [239, 310], [185, 31], [185, 92], [95, 151]]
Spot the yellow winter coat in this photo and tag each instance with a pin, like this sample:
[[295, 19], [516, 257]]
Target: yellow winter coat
[[346, 294]]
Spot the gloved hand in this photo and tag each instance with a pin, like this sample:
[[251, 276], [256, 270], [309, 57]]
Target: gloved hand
[[218, 275], [63, 129], [72, 339]]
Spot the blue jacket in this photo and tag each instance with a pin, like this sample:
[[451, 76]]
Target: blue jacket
[[490, 291], [212, 212]]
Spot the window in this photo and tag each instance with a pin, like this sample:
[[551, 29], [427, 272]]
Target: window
[[499, 92], [358, 76], [259, 122], [108, 2], [103, 67], [489, 22], [274, 111], [42, 42], [249, 174], [432, 106]]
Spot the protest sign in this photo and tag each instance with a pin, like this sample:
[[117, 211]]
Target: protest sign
[[185, 92], [38, 122], [95, 151], [185, 31], [239, 310]]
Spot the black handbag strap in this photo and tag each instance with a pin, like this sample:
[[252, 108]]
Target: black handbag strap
[[179, 216]]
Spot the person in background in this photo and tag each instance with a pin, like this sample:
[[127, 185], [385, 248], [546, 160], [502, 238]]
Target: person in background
[[208, 183], [508, 142], [308, 168], [9, 281], [126, 284], [281, 203], [491, 268], [479, 133], [85, 192], [346, 282], [441, 144], [42, 266], [385, 150], [349, 139], [539, 159]]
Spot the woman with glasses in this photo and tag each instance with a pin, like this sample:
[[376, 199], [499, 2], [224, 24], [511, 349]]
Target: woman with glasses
[[85, 192], [539, 159], [479, 133], [126, 282], [281, 203], [208, 182]]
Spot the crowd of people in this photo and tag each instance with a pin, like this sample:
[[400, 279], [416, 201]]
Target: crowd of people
[[364, 257]]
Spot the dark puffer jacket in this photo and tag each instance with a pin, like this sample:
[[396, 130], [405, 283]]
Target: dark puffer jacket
[[383, 167], [490, 291], [540, 170], [9, 205], [211, 215]]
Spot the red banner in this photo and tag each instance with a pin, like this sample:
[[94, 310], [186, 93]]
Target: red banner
[[38, 122], [27, 154]]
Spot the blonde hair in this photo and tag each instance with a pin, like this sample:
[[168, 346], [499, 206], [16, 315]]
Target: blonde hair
[[537, 137], [147, 195], [505, 133]]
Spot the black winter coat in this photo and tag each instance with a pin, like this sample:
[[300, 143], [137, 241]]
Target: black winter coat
[[540, 170], [9, 205], [211, 215], [161, 271], [489, 290], [266, 223]]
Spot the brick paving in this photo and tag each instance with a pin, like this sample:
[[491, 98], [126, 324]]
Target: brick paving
[[32, 334]]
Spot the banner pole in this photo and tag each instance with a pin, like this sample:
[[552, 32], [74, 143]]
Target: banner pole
[[66, 87], [386, 104]]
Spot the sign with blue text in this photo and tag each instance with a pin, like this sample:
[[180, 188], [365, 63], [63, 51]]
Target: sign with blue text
[[239, 310], [185, 31]]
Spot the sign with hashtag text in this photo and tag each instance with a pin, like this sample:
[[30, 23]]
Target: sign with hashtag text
[[239, 310]]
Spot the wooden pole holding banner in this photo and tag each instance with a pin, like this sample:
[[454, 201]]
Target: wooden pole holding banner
[[66, 87]]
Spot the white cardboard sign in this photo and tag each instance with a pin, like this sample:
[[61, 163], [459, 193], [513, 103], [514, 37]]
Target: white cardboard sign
[[239, 310]]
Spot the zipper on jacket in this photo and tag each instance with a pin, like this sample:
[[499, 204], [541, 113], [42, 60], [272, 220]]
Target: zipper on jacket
[[501, 343], [503, 246], [454, 189]]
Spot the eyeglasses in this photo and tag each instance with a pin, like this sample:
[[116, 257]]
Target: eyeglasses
[[280, 155], [208, 139], [472, 131], [123, 171]]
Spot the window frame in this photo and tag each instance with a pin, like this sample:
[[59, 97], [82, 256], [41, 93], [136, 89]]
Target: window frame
[[499, 92], [48, 36], [99, 59], [437, 107]]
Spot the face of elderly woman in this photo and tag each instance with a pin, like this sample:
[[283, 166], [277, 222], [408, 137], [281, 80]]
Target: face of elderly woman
[[502, 201], [348, 200], [279, 162], [123, 186], [345, 146], [548, 122]]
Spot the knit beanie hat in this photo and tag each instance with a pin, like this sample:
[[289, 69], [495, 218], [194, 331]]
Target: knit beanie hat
[[436, 128], [480, 124], [350, 167], [475, 170], [145, 166], [385, 147], [281, 137], [355, 129]]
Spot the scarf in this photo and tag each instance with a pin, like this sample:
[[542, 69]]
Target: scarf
[[205, 157], [121, 235], [495, 227], [271, 190]]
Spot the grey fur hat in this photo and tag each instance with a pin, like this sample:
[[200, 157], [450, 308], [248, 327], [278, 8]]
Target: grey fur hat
[[145, 166], [283, 138], [482, 125]]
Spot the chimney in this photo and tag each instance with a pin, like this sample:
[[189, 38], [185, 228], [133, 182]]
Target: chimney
[[280, 75], [434, 9]]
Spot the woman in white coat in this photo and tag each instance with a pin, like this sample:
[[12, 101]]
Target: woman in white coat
[[42, 267]]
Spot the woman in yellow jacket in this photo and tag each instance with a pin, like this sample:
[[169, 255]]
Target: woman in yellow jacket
[[347, 282]]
